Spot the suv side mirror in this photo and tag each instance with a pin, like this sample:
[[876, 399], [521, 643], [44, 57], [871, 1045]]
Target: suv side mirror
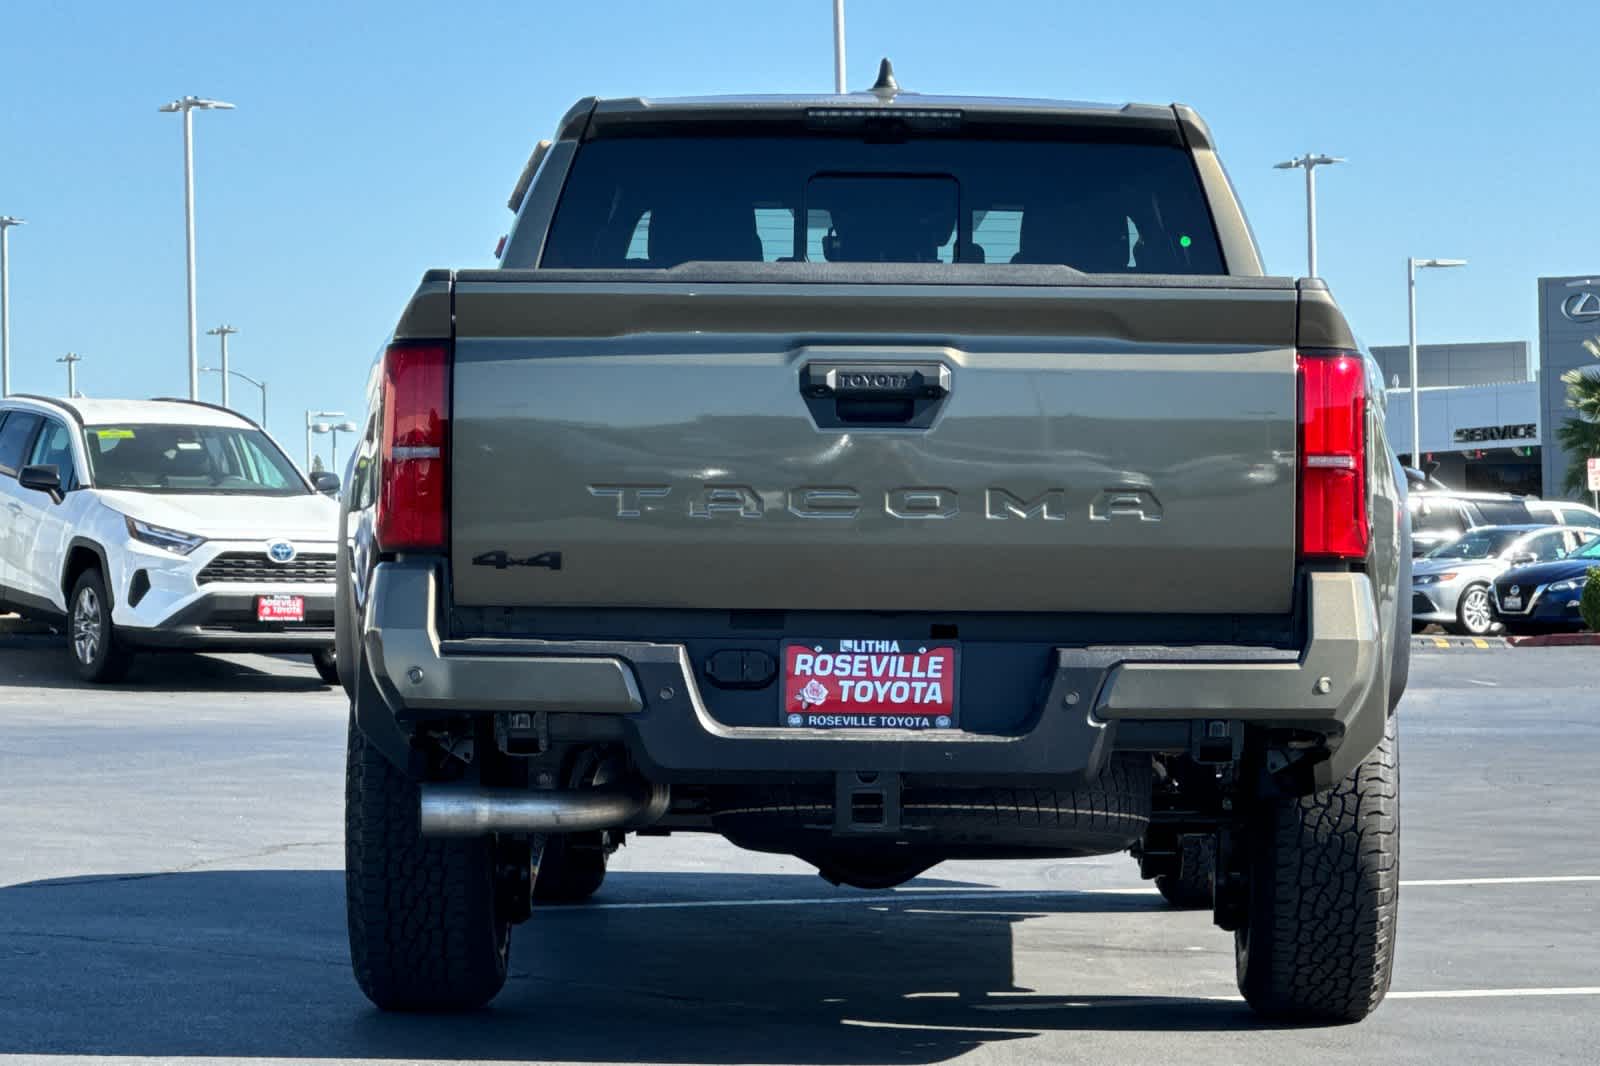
[[43, 478], [326, 482]]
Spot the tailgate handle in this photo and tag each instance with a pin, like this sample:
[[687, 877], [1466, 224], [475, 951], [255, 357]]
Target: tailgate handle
[[881, 394]]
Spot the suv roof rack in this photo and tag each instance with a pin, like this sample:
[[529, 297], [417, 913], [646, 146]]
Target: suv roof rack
[[203, 403], [52, 401]]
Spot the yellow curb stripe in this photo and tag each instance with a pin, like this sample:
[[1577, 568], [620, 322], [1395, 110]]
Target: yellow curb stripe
[[1440, 642], [1479, 642]]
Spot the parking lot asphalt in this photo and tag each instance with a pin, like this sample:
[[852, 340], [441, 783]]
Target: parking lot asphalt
[[171, 886]]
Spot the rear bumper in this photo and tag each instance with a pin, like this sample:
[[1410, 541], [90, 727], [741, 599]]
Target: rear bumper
[[1099, 699]]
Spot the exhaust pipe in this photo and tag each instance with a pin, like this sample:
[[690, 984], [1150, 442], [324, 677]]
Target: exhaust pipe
[[469, 811]]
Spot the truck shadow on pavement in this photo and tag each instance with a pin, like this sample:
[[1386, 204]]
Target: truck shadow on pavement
[[254, 964], [43, 662]]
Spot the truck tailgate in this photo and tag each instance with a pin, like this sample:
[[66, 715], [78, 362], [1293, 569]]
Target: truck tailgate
[[758, 446]]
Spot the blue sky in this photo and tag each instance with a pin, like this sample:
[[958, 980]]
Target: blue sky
[[373, 141]]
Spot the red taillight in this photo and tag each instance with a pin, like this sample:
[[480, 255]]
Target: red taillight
[[1333, 455], [413, 486]]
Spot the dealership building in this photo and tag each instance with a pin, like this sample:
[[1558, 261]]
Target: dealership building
[[1488, 415]]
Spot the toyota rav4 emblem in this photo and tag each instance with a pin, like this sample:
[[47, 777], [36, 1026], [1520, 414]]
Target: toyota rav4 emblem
[[281, 551]]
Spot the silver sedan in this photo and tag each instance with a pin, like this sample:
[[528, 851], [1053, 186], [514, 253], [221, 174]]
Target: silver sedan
[[1450, 585]]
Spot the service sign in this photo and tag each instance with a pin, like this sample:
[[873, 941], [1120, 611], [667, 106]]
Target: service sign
[[869, 684]]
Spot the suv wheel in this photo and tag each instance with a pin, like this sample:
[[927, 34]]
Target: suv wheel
[[92, 639], [1474, 615], [424, 930], [1324, 877]]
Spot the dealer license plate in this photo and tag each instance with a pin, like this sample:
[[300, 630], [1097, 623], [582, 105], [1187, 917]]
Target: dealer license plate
[[870, 684], [1511, 603], [280, 608]]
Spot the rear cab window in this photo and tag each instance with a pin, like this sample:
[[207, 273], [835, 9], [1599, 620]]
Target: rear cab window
[[1106, 202]]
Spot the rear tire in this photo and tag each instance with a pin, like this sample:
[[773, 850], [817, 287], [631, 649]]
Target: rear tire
[[327, 665], [1191, 889], [92, 640], [424, 932], [1318, 940], [571, 869]]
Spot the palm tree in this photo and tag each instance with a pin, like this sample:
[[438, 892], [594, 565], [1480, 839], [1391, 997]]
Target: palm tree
[[1580, 435]]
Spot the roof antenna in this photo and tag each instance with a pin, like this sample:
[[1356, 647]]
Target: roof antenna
[[885, 86]]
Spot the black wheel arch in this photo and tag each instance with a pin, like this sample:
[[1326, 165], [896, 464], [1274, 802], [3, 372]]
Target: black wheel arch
[[84, 554]]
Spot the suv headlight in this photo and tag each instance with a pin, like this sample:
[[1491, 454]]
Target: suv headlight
[[173, 540], [1432, 579]]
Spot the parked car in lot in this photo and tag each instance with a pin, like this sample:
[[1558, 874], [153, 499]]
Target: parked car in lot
[[160, 525], [1451, 585], [1544, 597], [1563, 513], [1438, 518], [880, 480]]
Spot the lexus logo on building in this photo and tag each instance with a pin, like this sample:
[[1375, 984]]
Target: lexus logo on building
[[1582, 306], [281, 551]]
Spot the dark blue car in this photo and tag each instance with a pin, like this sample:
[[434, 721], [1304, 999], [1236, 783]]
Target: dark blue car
[[1543, 598]]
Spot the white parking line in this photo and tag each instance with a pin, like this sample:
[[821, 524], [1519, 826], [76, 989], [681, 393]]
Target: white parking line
[[1495, 993], [907, 895], [1457, 882], [1443, 993], [863, 1023]]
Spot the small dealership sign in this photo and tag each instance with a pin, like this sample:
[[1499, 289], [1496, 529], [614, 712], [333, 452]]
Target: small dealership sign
[[1480, 434]]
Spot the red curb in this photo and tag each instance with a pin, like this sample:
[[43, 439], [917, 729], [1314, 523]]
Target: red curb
[[1557, 640]]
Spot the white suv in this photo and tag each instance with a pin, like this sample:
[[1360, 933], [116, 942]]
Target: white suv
[[162, 524]]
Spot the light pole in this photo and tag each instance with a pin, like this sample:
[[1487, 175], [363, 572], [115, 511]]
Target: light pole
[[72, 359], [1416, 391], [187, 106], [262, 385], [838, 46], [312, 428], [1310, 163], [6, 222], [224, 331], [333, 442]]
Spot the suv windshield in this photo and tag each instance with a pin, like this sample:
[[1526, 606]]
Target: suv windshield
[[1479, 544], [1102, 206], [210, 460]]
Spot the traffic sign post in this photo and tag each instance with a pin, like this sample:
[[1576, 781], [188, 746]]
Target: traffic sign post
[[1594, 480]]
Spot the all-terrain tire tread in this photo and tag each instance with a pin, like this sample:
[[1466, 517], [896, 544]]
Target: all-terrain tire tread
[[1191, 888], [570, 871], [1325, 898], [423, 932]]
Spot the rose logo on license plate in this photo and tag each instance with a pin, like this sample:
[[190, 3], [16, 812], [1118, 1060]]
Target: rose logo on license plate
[[870, 684]]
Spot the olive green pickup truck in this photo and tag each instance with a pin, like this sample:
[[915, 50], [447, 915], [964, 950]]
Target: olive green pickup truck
[[878, 479]]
